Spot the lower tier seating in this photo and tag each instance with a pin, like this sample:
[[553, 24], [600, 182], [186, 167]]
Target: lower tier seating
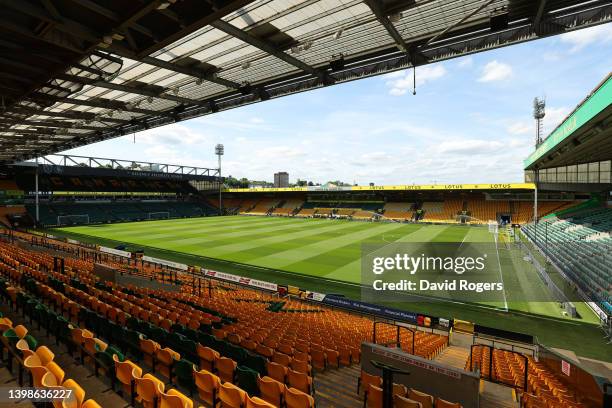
[[580, 244], [68, 213]]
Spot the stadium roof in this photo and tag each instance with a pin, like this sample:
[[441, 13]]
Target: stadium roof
[[584, 136], [400, 187], [73, 72]]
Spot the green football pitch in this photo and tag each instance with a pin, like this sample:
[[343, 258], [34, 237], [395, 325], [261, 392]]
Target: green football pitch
[[325, 255]]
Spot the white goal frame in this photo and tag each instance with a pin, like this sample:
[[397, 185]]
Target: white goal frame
[[166, 213], [72, 217], [493, 227]]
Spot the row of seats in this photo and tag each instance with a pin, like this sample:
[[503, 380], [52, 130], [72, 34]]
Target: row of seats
[[38, 360], [581, 245], [128, 372], [285, 330], [106, 211], [445, 211], [544, 388], [370, 386]]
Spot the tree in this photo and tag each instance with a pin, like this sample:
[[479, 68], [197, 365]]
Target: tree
[[301, 183], [310, 184]]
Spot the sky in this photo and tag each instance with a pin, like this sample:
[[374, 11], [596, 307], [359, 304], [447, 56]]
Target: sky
[[469, 122]]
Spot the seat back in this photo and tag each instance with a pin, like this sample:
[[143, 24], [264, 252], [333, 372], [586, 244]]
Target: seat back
[[254, 402], [297, 399], [299, 381], [77, 396], [425, 399], [45, 355], [225, 368], [276, 371], [374, 397], [232, 396], [403, 402], [208, 386], [149, 389], [271, 390], [56, 370], [440, 403]]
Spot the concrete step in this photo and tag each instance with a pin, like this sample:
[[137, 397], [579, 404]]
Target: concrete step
[[454, 356], [494, 395], [338, 388]]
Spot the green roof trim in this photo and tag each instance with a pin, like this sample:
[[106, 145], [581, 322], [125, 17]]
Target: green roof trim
[[599, 100]]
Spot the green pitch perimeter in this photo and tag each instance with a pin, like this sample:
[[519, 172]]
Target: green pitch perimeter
[[324, 255]]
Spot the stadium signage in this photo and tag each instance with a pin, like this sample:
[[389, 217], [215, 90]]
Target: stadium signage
[[405, 187], [113, 251], [385, 312], [170, 264], [599, 100], [242, 280]]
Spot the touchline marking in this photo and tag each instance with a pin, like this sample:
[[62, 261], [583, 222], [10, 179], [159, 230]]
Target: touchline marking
[[501, 275]]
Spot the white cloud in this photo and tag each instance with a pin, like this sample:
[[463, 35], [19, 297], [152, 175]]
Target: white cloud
[[402, 81], [520, 128], [495, 71], [469, 147], [279, 152], [178, 134], [465, 62], [587, 36]]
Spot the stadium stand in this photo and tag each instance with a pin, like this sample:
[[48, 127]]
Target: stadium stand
[[263, 207], [522, 212], [306, 212], [545, 388], [103, 211], [287, 207], [482, 211], [239, 337], [247, 205], [442, 211], [398, 211], [580, 244]]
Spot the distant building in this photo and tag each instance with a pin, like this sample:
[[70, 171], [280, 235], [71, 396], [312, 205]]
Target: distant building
[[281, 179]]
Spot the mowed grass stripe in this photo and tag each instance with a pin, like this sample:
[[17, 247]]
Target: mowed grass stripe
[[196, 225], [345, 266], [288, 257], [409, 233], [317, 231], [220, 237], [251, 246], [199, 229]]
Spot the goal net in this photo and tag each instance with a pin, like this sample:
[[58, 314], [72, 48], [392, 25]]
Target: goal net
[[493, 227], [73, 219], [159, 215]]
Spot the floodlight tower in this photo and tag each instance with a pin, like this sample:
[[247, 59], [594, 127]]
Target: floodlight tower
[[219, 151], [539, 106]]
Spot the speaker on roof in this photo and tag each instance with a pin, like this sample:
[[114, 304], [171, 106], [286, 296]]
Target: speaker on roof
[[499, 21]]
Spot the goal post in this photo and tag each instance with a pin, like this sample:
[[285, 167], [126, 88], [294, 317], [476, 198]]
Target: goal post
[[73, 219], [159, 215], [493, 227]]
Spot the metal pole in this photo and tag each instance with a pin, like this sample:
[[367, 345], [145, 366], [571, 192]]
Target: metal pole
[[220, 188], [36, 193], [535, 206]]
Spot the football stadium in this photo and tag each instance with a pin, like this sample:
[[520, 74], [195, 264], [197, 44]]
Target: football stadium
[[131, 283]]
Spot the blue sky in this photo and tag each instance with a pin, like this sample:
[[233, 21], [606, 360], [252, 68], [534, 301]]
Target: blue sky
[[470, 121]]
